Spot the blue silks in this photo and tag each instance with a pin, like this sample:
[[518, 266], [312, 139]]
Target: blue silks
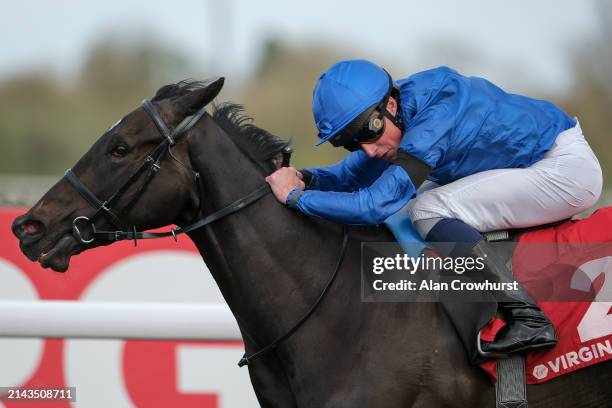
[[458, 125], [462, 125]]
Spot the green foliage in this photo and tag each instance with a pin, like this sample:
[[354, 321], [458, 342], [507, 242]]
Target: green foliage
[[590, 98], [279, 99], [45, 125]]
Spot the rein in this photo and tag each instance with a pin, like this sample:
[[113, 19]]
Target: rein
[[151, 165], [246, 360]]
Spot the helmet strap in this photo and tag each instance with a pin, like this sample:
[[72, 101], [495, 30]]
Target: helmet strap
[[382, 107], [396, 120]]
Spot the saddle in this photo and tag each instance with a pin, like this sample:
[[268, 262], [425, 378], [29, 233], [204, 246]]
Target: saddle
[[568, 264], [544, 260], [573, 256]]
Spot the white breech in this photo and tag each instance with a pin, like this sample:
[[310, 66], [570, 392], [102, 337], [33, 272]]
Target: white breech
[[565, 182]]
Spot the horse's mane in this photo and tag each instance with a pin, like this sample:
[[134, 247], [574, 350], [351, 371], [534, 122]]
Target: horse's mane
[[258, 144]]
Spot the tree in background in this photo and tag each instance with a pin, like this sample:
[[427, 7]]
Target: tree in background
[[45, 125], [279, 96], [31, 107], [590, 97]]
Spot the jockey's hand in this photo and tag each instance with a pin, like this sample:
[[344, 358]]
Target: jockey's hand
[[283, 180]]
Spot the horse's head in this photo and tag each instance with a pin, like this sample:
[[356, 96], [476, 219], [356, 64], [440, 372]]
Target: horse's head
[[132, 162]]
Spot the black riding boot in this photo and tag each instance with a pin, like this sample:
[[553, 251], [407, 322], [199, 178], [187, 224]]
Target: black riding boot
[[527, 329]]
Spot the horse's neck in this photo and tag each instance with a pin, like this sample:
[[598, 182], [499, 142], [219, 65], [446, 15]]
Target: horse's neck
[[256, 255]]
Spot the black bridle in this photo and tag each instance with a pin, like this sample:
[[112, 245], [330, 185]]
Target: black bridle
[[150, 167]]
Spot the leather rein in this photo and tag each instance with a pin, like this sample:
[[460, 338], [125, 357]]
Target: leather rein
[[149, 168]]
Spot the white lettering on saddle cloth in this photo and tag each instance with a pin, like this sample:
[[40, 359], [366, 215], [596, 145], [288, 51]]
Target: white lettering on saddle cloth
[[573, 358]]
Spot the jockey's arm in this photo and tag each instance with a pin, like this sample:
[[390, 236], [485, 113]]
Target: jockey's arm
[[355, 171], [366, 206]]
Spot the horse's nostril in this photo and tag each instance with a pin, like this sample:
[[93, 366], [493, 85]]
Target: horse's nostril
[[32, 227], [28, 229]]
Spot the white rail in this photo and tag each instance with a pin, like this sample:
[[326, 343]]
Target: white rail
[[115, 320]]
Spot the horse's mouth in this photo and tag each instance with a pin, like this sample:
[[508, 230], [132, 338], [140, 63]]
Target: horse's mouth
[[58, 256]]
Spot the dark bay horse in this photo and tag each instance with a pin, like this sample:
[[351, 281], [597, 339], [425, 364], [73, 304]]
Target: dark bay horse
[[271, 263]]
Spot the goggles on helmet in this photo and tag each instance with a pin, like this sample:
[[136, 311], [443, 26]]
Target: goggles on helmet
[[368, 127], [361, 130]]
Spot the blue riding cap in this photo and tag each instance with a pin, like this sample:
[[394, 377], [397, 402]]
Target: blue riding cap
[[345, 91]]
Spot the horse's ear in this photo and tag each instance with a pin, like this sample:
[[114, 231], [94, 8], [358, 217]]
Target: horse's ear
[[198, 98]]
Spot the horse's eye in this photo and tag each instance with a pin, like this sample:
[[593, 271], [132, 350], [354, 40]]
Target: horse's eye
[[120, 150]]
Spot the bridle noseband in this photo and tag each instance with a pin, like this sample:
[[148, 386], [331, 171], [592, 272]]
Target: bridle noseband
[[149, 168]]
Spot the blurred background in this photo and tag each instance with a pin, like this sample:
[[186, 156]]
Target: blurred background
[[70, 69]]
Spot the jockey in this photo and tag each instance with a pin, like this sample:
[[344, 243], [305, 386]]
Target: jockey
[[494, 161]]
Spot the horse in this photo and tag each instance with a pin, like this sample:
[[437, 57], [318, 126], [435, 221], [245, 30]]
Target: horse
[[270, 262]]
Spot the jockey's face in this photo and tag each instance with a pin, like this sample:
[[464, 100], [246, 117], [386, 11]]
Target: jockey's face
[[386, 146]]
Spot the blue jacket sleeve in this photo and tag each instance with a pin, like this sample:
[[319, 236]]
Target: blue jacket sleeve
[[355, 171], [369, 205]]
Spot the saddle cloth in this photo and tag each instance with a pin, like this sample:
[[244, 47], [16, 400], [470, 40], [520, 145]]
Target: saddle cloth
[[571, 261]]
